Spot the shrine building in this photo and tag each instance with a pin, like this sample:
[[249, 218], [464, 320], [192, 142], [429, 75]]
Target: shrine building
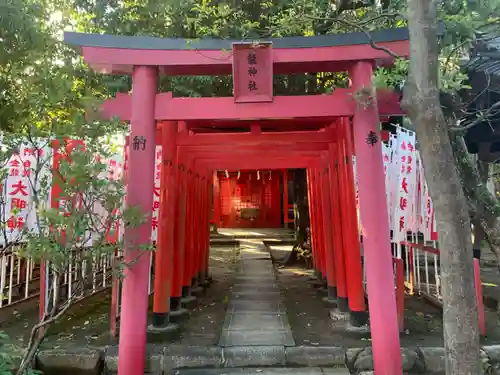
[[228, 160]]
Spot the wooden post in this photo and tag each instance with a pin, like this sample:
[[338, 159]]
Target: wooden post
[[165, 244], [205, 277], [140, 187], [321, 220], [334, 279], [189, 231], [202, 224], [285, 198], [216, 200], [375, 221], [176, 311], [350, 235], [198, 219], [312, 228], [337, 226]]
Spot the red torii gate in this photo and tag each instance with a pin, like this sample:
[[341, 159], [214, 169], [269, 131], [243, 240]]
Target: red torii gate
[[328, 178]]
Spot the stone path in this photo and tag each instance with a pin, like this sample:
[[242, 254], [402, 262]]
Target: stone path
[[266, 371], [256, 315]]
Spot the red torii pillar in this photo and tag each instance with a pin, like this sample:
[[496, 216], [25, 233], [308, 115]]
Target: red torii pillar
[[134, 305], [313, 227], [165, 245], [177, 312], [205, 278], [326, 272], [337, 217], [199, 222], [350, 235], [206, 185], [334, 274], [216, 200], [319, 221], [315, 230], [189, 235], [285, 198], [375, 221]]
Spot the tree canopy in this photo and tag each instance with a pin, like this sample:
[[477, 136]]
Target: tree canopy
[[43, 83], [46, 89]]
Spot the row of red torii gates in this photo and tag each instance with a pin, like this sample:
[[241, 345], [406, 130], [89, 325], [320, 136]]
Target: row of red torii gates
[[317, 132]]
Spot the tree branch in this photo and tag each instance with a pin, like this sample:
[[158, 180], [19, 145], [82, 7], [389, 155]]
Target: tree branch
[[359, 26], [36, 339], [483, 116]]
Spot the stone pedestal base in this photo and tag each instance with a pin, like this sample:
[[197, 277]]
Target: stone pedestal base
[[179, 316], [357, 329], [330, 302], [208, 281], [315, 283], [343, 304], [322, 290], [197, 291], [337, 315], [170, 332], [359, 318], [189, 302]]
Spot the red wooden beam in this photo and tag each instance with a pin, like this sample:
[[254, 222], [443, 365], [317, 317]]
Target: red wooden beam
[[228, 148], [338, 104], [252, 162], [210, 62], [262, 164], [244, 154], [263, 139]]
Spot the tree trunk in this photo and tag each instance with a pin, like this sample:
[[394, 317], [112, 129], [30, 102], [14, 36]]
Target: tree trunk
[[483, 206], [422, 102]]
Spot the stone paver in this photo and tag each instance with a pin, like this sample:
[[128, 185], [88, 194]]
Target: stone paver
[[266, 371], [256, 306], [255, 315], [256, 338]]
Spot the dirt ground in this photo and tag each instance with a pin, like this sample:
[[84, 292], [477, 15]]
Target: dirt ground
[[205, 323], [87, 323], [311, 325]]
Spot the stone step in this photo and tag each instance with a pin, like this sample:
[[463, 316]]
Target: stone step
[[271, 307], [252, 296], [255, 316], [256, 282], [256, 321], [266, 371], [251, 287], [254, 338]]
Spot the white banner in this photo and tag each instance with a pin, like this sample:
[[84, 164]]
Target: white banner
[[426, 214], [356, 193], [26, 171], [386, 157], [392, 177], [155, 218], [406, 184]]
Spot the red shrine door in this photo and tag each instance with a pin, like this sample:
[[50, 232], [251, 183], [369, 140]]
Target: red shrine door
[[250, 199]]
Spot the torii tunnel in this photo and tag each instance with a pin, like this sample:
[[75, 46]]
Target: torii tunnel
[[317, 132]]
